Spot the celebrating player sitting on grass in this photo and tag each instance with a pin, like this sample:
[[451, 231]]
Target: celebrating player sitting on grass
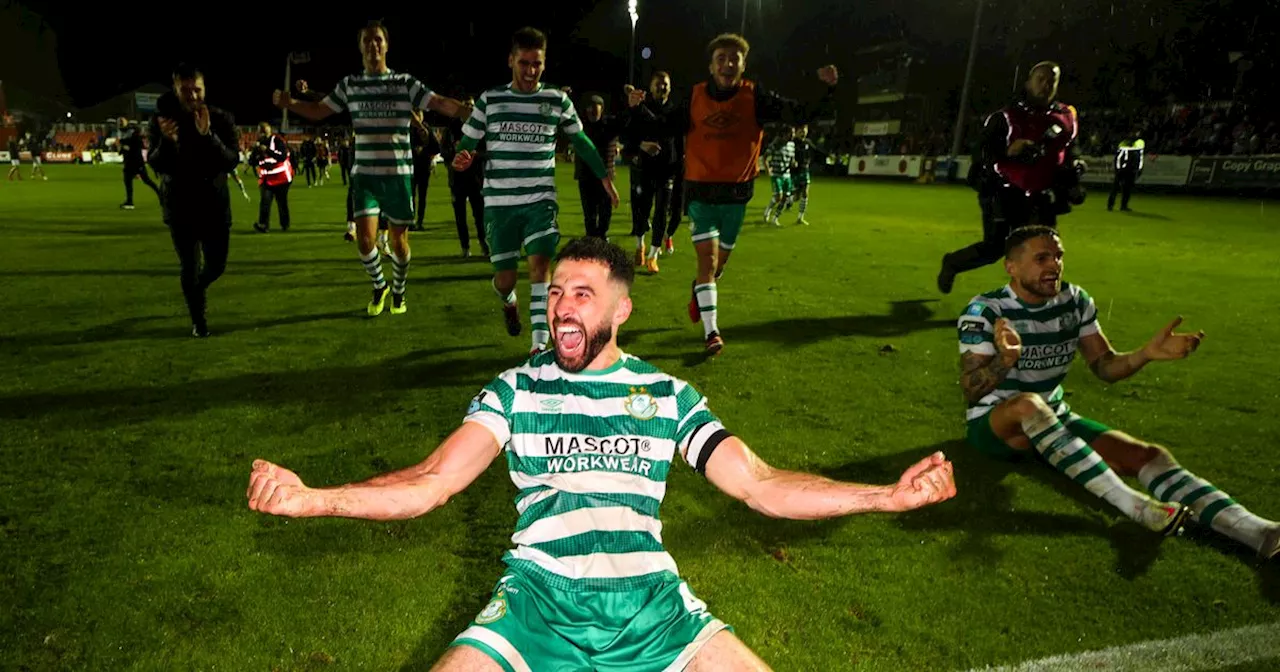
[[590, 434], [381, 102], [1016, 345]]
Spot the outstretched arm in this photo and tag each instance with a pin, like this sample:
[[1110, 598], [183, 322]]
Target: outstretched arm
[[407, 493], [1111, 367], [315, 110], [772, 107], [779, 493], [448, 106]]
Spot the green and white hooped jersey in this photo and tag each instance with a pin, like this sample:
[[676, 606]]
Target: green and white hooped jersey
[[780, 157], [590, 454], [381, 115], [520, 134], [1050, 335]]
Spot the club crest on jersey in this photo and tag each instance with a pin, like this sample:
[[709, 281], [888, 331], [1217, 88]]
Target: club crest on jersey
[[640, 404], [544, 108], [495, 610], [1069, 321]]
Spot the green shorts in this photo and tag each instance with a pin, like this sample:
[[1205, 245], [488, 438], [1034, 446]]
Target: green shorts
[[388, 196], [530, 626], [531, 226], [717, 220], [781, 184], [981, 436]]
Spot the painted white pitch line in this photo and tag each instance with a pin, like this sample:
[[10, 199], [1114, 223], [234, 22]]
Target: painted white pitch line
[[1211, 651]]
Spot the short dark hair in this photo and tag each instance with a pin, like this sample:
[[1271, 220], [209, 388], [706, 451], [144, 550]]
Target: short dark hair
[[1045, 64], [728, 41], [660, 73], [374, 24], [1022, 234], [186, 71], [528, 38], [591, 248]]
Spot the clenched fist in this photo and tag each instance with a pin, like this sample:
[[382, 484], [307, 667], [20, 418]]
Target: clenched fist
[[926, 482], [1008, 343], [276, 490], [281, 99]]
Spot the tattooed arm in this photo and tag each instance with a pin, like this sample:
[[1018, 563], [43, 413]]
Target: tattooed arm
[[989, 350], [980, 375]]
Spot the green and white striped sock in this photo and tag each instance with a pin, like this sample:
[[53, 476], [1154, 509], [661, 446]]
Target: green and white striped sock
[[1169, 482], [707, 306], [1070, 455], [538, 314]]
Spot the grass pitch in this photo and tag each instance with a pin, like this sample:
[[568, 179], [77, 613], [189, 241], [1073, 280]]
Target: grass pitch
[[125, 541]]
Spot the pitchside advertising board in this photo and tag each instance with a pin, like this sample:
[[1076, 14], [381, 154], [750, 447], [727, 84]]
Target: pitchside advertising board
[[1158, 169], [893, 165], [1239, 171]]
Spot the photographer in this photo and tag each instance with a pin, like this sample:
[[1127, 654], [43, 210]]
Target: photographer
[[1028, 172], [193, 147]]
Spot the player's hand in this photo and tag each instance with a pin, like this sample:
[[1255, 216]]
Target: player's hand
[[301, 86], [462, 160], [828, 75], [634, 96], [1008, 343], [276, 490], [168, 128], [1082, 166], [609, 189], [926, 482], [281, 99], [1019, 146], [417, 115], [1168, 345], [650, 148], [202, 119]]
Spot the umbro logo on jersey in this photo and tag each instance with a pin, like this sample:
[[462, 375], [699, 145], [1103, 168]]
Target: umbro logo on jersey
[[721, 120], [551, 405]]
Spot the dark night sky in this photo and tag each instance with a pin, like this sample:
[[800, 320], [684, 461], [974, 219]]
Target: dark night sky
[[1114, 53]]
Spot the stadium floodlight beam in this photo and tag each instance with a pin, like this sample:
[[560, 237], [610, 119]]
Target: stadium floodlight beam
[[964, 91], [633, 9]]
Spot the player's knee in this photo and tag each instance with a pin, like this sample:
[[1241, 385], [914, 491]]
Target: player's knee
[[1025, 405], [1144, 452]]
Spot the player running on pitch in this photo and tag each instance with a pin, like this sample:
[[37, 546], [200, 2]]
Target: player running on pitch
[[778, 159], [1017, 344], [381, 102], [518, 122], [590, 434], [722, 123]]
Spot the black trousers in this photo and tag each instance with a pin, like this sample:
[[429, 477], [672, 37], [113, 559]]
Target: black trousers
[[139, 171], [1124, 185], [346, 175], [351, 205], [651, 191], [596, 206], [309, 167], [462, 195], [280, 194], [202, 257], [1002, 211], [421, 180]]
